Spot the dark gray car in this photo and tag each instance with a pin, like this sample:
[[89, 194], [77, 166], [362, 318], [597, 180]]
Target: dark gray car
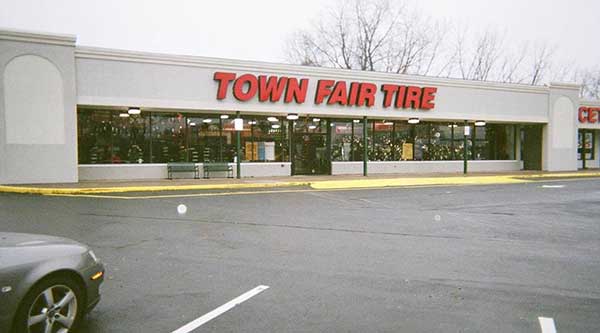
[[47, 284]]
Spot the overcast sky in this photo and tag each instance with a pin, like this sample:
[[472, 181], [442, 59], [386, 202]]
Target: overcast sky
[[257, 30]]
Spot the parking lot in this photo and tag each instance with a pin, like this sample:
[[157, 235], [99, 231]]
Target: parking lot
[[491, 258]]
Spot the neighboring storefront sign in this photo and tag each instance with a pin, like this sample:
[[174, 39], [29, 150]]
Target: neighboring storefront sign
[[331, 92], [589, 115]]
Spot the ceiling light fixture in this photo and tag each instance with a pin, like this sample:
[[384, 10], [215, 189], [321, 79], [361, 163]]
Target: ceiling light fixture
[[413, 120], [292, 116], [134, 111]]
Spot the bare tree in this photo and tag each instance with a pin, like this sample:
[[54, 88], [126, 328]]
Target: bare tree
[[510, 65], [370, 35], [388, 36], [590, 83], [477, 58], [541, 63]]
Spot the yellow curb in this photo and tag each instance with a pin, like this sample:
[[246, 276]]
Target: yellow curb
[[561, 175], [157, 188], [324, 184], [395, 182]]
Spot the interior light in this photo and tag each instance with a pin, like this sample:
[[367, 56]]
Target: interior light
[[356, 121], [388, 123], [134, 111], [272, 119], [224, 116], [275, 126], [479, 123], [312, 127], [292, 116], [252, 122], [453, 126], [413, 120], [316, 120], [207, 121], [192, 124], [123, 115]]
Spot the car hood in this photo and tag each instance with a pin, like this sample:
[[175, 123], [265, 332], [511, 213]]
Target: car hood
[[12, 239]]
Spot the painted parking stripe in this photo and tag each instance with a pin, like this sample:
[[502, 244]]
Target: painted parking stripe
[[553, 186], [547, 325], [220, 310]]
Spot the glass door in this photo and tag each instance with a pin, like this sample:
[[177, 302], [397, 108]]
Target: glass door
[[310, 147]]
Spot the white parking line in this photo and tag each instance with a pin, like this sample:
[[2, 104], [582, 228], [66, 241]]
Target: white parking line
[[547, 325], [220, 310], [553, 186]]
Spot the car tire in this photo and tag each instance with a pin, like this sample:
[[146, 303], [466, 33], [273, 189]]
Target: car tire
[[67, 309]]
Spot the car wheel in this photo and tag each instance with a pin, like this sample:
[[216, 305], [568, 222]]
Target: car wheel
[[55, 305]]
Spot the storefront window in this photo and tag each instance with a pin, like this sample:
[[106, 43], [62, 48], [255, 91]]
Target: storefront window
[[264, 139], [590, 145], [168, 138], [346, 141], [381, 143], [403, 138], [500, 142], [480, 147], [107, 137], [440, 144], [160, 137]]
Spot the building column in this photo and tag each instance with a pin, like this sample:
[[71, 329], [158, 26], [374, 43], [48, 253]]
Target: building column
[[38, 108], [559, 139]]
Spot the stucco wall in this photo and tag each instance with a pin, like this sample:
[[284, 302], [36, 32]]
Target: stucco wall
[[117, 78], [159, 171], [344, 168], [38, 130]]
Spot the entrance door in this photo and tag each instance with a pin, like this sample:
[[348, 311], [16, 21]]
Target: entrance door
[[532, 147], [310, 154]]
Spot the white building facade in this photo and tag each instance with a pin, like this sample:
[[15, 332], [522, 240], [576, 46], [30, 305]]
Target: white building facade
[[70, 113]]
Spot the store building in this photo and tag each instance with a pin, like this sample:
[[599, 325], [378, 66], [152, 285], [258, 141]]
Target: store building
[[70, 113]]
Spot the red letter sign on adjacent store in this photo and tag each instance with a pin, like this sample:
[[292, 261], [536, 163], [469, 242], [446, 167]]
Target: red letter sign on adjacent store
[[331, 92], [589, 115]]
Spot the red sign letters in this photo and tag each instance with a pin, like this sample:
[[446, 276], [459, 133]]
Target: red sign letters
[[273, 88], [589, 115]]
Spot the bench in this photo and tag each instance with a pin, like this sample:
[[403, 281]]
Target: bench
[[182, 167], [217, 167]]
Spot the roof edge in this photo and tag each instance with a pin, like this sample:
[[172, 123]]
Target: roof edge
[[88, 52], [37, 37]]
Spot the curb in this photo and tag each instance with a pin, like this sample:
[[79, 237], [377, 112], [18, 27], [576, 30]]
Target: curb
[[124, 189], [320, 184]]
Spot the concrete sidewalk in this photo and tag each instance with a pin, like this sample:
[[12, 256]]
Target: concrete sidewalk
[[315, 182]]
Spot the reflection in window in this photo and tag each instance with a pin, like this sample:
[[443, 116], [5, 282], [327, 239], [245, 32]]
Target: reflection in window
[[347, 144], [104, 137], [590, 144], [265, 139], [112, 137], [168, 138]]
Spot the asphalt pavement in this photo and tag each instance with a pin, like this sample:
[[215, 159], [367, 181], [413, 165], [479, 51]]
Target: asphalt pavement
[[491, 258]]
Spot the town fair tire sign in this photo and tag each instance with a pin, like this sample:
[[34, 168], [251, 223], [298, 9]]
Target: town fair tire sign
[[275, 89]]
